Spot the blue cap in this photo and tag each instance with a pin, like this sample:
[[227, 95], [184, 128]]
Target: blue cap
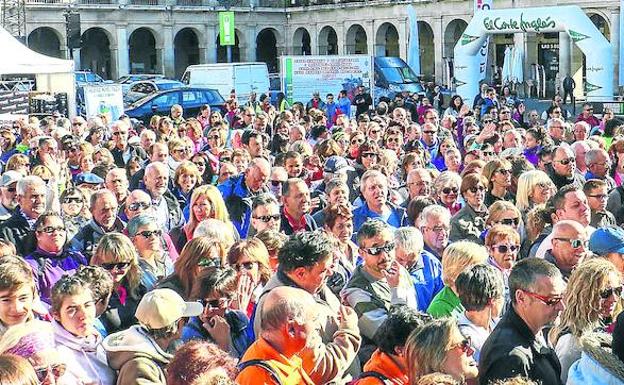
[[89, 178], [607, 240]]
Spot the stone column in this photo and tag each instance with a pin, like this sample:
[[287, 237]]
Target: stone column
[[438, 48], [122, 57], [369, 28], [250, 49], [314, 41], [210, 44], [167, 51], [615, 29], [564, 56], [403, 30]]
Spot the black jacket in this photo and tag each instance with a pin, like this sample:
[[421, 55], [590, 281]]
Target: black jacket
[[134, 150], [16, 230], [512, 350], [577, 179]]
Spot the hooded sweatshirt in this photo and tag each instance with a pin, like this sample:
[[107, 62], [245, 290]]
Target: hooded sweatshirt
[[85, 357], [137, 357]]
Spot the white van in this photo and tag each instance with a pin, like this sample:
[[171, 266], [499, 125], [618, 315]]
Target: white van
[[242, 77]]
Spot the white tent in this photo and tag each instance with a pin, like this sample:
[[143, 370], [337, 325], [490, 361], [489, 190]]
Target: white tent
[[51, 74]]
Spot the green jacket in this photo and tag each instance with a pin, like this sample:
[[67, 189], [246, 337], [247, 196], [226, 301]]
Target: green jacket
[[446, 303]]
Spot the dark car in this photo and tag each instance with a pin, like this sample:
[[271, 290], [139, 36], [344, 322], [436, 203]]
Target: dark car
[[191, 99], [142, 88]]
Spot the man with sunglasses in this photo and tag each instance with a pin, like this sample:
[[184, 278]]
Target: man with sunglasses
[[570, 246], [429, 138], [265, 214], [562, 171], [598, 165], [8, 193], [378, 283], [517, 346], [587, 116], [123, 151]]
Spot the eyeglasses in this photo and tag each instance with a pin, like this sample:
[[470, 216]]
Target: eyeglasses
[[214, 137], [487, 121], [216, 303], [504, 171], [357, 141], [72, 200], [449, 190], [267, 218], [58, 370], [510, 222], [506, 248], [606, 293], [565, 162], [602, 197], [430, 132], [476, 188], [388, 247], [12, 189], [369, 155], [136, 206], [488, 153], [199, 164], [392, 140], [51, 229], [464, 346], [276, 183], [244, 265], [374, 132], [146, 234], [120, 133], [182, 150], [575, 243], [548, 301], [544, 185], [116, 266]]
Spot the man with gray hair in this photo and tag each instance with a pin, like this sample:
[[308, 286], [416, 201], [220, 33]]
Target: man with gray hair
[[123, 152], [435, 225], [424, 267], [556, 129], [598, 166], [31, 196], [265, 213], [374, 188], [166, 206]]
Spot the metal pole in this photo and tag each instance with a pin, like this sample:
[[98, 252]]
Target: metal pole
[[229, 53]]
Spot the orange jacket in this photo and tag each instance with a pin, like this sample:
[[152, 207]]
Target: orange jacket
[[288, 370], [382, 363]]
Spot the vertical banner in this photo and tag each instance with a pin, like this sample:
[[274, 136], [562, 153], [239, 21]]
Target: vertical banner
[[484, 5], [227, 36], [413, 48], [621, 66]]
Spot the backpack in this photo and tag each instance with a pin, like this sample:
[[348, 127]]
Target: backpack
[[261, 364], [371, 373]]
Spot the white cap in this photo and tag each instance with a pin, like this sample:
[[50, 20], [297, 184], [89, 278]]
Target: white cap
[[162, 307]]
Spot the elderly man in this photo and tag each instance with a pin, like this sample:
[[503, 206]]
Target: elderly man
[[562, 170], [556, 130], [238, 190], [166, 206], [296, 207], [278, 178], [570, 246], [104, 220], [516, 347], [31, 195], [423, 267], [419, 184], [374, 188], [580, 149], [117, 182], [305, 262], [158, 152], [581, 131], [139, 354], [378, 283], [79, 127], [265, 214], [8, 194], [599, 163], [435, 224], [123, 152]]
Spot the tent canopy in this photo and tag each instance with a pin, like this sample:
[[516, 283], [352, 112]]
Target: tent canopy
[[19, 59]]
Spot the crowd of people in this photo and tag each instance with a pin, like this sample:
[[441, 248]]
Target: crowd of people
[[415, 243]]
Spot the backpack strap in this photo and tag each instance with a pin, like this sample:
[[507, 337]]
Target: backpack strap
[[384, 380], [261, 364]]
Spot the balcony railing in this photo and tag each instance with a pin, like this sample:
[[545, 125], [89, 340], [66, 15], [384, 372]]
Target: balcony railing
[[144, 2], [190, 3]]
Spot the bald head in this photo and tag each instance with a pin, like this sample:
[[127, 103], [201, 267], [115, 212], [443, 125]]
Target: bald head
[[257, 174], [568, 228], [569, 244], [284, 304], [156, 179]]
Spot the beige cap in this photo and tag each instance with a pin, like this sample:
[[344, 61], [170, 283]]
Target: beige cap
[[162, 307]]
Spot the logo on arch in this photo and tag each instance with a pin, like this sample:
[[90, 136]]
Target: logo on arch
[[591, 87], [576, 36], [467, 39]]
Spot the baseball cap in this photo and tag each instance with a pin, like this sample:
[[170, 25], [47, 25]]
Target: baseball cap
[[162, 307], [88, 178], [10, 177], [336, 163], [607, 240]]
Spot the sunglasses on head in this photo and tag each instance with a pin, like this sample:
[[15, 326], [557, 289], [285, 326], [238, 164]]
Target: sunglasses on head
[[116, 266], [510, 221], [147, 233], [449, 190], [267, 218], [388, 247], [606, 293], [505, 248]]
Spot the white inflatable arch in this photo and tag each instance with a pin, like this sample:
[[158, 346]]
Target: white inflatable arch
[[571, 19]]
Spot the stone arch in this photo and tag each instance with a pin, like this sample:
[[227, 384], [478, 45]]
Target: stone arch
[[452, 34], [95, 52], [266, 48], [427, 50], [356, 40], [387, 40], [602, 23], [47, 41], [143, 52], [186, 50], [328, 41], [302, 42]]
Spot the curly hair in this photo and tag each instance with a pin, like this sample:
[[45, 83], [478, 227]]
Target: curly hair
[[582, 298], [198, 361]]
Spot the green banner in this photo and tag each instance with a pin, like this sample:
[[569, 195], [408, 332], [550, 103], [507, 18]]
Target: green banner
[[227, 36]]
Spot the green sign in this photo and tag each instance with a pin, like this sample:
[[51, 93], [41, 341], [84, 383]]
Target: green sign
[[466, 39], [502, 24], [227, 36], [577, 36]]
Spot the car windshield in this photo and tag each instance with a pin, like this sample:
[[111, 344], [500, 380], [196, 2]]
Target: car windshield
[[93, 78], [399, 75]]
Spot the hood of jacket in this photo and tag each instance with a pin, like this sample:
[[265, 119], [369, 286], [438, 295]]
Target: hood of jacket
[[131, 343], [65, 338]]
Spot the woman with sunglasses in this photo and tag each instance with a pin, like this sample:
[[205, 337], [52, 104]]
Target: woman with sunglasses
[[368, 156], [74, 312], [73, 203], [355, 140], [534, 188], [592, 293], [147, 239], [250, 259], [439, 346], [469, 222], [219, 323], [503, 245], [116, 254], [498, 174], [51, 260], [446, 191]]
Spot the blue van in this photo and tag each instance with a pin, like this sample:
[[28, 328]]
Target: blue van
[[393, 75]]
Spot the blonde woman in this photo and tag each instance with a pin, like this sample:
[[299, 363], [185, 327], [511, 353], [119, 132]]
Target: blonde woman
[[439, 346], [534, 188], [116, 254], [457, 257], [206, 202], [593, 291], [498, 174], [185, 179]]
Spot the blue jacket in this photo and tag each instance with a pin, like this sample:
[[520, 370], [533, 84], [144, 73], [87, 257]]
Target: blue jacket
[[426, 275], [237, 199], [396, 218], [345, 106], [330, 111], [239, 323]]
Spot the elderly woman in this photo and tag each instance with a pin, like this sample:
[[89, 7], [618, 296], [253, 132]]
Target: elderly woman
[[498, 174], [368, 156], [73, 205], [456, 258], [446, 190], [503, 245], [206, 202], [146, 236], [469, 222], [117, 255], [439, 346], [593, 291], [51, 260], [186, 178], [534, 188]]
